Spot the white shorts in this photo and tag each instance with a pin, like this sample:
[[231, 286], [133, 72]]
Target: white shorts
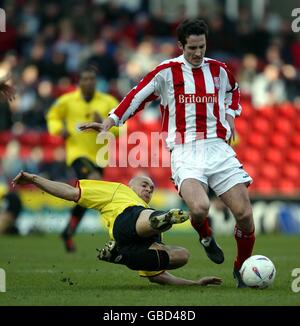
[[211, 161]]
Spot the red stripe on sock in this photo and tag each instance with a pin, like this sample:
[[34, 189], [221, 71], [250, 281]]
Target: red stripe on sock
[[204, 230], [74, 222], [245, 243]]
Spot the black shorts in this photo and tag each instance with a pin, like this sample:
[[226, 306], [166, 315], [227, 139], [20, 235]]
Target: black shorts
[[125, 233], [83, 167], [12, 204]]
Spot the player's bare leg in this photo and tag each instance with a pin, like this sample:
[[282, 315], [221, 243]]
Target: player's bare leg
[[237, 200], [157, 257], [152, 222], [195, 196], [172, 257], [178, 255]]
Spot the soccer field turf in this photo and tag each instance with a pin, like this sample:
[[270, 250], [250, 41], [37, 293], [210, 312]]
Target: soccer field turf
[[39, 272]]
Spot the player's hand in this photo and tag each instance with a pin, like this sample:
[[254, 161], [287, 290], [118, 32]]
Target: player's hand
[[99, 127], [7, 92], [97, 117], [230, 120], [96, 126], [209, 280], [23, 178]]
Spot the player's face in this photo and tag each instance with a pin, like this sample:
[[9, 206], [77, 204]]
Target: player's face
[[144, 188], [194, 49], [87, 82]]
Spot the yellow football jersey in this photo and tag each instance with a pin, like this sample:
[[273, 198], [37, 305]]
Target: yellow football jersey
[[69, 111], [109, 198]]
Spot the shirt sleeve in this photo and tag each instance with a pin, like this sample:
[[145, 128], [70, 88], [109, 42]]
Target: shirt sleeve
[[95, 194], [135, 100], [232, 96], [56, 115]]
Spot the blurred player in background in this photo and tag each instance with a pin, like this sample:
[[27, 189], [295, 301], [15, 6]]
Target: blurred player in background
[[134, 226], [7, 92], [10, 202], [10, 209], [199, 102], [82, 105]]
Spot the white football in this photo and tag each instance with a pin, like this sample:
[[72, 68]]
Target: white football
[[258, 272]]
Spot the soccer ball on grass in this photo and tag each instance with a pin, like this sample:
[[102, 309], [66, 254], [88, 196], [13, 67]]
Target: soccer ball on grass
[[258, 272]]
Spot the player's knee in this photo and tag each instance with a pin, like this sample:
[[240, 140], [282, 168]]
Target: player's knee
[[184, 256], [244, 220], [243, 213], [199, 210], [179, 257]]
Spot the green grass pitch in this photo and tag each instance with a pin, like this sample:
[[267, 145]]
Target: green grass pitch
[[39, 272]]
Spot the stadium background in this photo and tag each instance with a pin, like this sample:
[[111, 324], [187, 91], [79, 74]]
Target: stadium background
[[44, 46], [46, 43]]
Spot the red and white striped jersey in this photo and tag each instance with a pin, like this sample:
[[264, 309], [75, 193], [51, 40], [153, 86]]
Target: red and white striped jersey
[[193, 101]]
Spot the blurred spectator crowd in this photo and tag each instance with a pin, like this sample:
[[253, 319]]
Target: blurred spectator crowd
[[46, 43]]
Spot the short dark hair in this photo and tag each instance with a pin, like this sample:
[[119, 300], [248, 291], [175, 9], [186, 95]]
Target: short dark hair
[[89, 68], [194, 26]]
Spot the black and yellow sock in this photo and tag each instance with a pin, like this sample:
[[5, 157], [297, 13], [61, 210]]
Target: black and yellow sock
[[147, 260]]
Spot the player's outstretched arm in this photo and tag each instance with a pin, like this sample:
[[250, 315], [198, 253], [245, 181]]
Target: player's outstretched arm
[[57, 189], [97, 126], [169, 279]]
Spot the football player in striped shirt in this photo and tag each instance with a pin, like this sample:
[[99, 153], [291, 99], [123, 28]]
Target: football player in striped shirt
[[199, 100]]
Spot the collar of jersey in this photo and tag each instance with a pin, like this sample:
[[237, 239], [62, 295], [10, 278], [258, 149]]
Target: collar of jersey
[[191, 66]]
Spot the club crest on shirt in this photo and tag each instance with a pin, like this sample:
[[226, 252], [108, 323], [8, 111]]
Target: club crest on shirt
[[217, 82]]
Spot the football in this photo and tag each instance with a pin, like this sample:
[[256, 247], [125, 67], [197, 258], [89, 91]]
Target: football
[[258, 272]]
